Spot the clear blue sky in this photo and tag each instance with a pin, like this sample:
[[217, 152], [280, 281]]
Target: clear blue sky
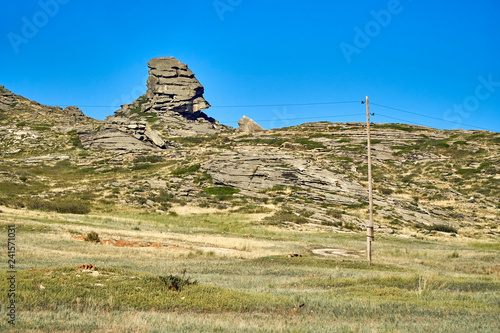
[[439, 59]]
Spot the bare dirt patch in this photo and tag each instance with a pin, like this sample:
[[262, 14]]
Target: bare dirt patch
[[126, 243], [336, 253]]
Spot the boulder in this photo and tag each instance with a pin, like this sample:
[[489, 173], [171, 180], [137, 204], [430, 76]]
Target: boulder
[[248, 125]]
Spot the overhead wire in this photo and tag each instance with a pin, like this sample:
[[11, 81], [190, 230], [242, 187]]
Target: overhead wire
[[324, 117], [430, 117], [306, 118], [238, 106], [399, 119], [285, 104]]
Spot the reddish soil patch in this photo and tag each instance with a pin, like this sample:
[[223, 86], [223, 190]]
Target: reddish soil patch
[[126, 243]]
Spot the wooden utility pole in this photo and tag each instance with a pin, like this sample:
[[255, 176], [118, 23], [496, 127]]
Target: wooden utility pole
[[369, 229]]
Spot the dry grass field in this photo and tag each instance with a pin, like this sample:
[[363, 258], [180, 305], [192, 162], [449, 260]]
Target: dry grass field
[[226, 272]]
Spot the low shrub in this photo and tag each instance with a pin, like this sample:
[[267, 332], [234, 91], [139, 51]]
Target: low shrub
[[335, 213], [221, 190], [176, 283], [61, 206], [386, 191], [285, 215], [147, 159], [442, 228], [92, 237]]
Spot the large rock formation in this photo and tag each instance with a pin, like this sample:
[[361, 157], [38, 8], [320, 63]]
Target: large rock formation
[[172, 106], [173, 87], [174, 100]]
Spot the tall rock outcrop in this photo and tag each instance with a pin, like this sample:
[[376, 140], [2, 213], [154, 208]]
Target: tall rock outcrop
[[172, 86], [173, 103], [172, 106]]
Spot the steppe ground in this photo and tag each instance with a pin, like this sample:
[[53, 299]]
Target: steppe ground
[[233, 274]]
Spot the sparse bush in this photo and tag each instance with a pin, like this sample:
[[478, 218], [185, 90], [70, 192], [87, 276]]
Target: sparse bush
[[386, 191], [408, 178], [176, 283], [203, 177], [357, 206], [350, 226], [92, 237], [12, 202], [309, 144], [285, 215], [335, 213], [222, 192], [147, 159], [332, 224], [61, 206], [165, 205], [41, 127], [442, 228], [163, 196], [75, 141]]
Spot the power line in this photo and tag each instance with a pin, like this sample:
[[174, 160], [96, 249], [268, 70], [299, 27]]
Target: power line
[[306, 118], [430, 117], [320, 103], [285, 104], [236, 106], [399, 119]]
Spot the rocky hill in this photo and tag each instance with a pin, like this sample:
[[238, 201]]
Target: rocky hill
[[172, 106], [162, 152]]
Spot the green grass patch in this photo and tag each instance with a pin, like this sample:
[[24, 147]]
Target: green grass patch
[[221, 190], [309, 144], [276, 142], [186, 170], [486, 246], [286, 214], [145, 166], [398, 127], [59, 206], [141, 100], [116, 289], [148, 159], [42, 127]]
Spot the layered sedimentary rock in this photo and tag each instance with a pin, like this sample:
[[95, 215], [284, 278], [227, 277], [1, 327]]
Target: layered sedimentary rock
[[121, 134], [172, 86], [172, 106], [173, 103]]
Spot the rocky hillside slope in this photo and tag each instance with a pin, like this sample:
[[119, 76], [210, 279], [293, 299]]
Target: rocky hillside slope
[[307, 177]]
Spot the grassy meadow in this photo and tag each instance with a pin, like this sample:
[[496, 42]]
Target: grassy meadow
[[217, 271]]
